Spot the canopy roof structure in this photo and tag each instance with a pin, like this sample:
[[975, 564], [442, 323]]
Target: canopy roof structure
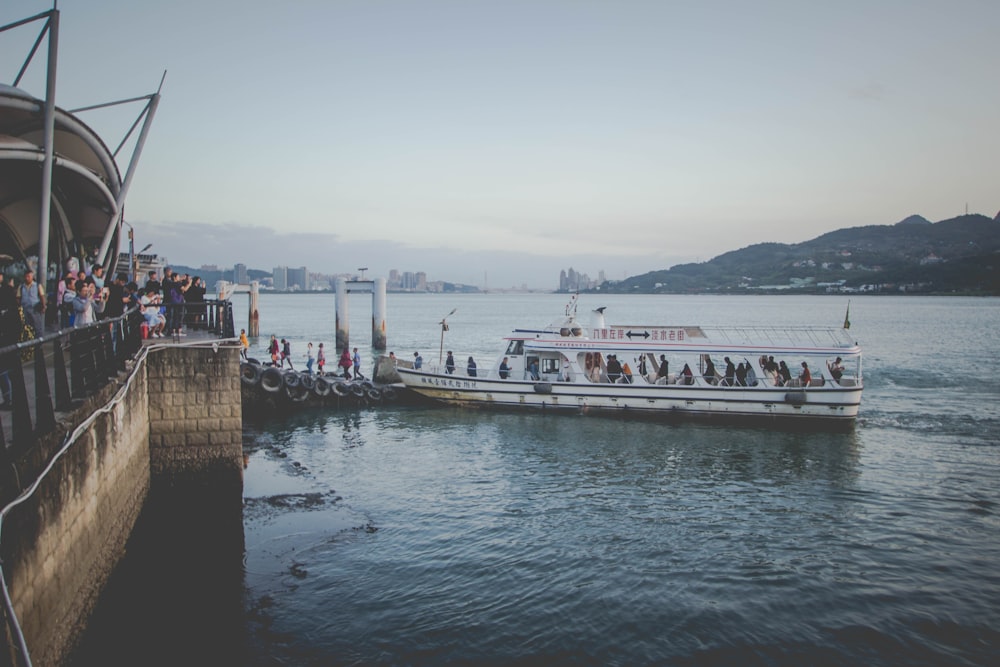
[[46, 149]]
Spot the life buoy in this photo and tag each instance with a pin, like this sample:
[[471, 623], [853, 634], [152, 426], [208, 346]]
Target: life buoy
[[321, 388], [249, 374], [308, 382], [292, 379], [271, 380], [358, 390], [341, 389], [374, 394], [542, 387]]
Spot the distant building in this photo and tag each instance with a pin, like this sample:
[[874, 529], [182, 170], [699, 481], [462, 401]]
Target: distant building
[[240, 274], [281, 278], [298, 279]]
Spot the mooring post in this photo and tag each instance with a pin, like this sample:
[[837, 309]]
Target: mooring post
[[342, 318], [253, 326], [378, 314]]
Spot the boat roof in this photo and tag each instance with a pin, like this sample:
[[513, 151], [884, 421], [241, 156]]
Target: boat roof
[[700, 339]]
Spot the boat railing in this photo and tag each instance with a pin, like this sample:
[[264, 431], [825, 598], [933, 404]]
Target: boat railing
[[778, 336]]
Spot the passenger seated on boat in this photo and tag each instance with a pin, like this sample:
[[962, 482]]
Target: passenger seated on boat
[[471, 368], [614, 369], [626, 374], [836, 369], [687, 377]]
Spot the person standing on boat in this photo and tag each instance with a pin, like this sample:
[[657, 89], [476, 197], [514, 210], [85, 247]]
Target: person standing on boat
[[449, 364], [418, 361], [471, 368], [784, 375], [504, 369], [664, 368], [771, 370], [805, 377], [710, 370], [730, 377], [741, 375]]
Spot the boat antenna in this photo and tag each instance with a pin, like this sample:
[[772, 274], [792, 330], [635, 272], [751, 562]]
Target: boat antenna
[[571, 306]]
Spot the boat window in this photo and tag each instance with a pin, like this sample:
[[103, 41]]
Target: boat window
[[516, 347], [550, 365]]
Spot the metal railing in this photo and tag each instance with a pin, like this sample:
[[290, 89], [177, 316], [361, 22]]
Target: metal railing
[[214, 316], [83, 360]]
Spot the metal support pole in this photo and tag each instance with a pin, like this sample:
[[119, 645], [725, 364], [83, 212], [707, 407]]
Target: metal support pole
[[49, 141], [378, 315], [342, 317], [154, 102]]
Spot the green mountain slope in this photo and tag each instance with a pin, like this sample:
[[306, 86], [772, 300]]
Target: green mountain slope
[[959, 255]]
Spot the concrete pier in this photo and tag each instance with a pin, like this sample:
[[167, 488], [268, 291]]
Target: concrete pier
[[377, 288], [173, 422]]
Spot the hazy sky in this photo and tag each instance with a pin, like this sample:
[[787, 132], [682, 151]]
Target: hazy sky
[[511, 139]]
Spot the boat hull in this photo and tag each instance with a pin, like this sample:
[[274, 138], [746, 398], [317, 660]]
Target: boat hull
[[827, 408]]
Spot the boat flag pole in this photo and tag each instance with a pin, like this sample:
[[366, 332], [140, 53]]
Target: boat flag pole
[[444, 327], [847, 316]]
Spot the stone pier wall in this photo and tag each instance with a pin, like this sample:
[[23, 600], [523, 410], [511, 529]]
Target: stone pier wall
[[195, 412], [175, 417]]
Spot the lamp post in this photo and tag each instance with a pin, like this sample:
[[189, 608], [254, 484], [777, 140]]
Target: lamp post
[[362, 269], [444, 327]]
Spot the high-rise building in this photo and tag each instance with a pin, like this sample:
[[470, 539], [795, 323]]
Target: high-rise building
[[240, 274], [298, 278], [281, 278]]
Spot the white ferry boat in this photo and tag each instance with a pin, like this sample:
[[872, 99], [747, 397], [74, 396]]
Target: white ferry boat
[[791, 376]]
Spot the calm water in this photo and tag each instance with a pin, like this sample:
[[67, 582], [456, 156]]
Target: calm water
[[439, 536]]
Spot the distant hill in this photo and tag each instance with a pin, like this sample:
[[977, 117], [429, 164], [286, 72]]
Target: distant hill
[[959, 255]]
